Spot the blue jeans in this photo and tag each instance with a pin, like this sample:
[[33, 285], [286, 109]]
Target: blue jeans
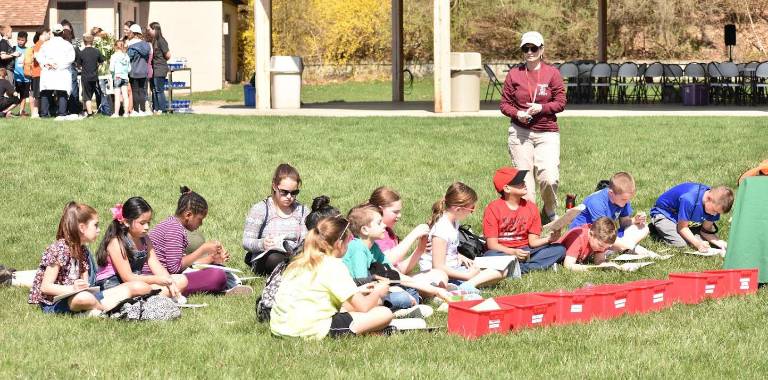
[[50, 97], [158, 94], [540, 258], [401, 300]]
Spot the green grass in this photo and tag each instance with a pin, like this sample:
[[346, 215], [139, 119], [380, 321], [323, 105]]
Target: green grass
[[422, 89], [230, 159]]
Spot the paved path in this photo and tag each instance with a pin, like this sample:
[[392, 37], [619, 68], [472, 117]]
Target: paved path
[[424, 109]]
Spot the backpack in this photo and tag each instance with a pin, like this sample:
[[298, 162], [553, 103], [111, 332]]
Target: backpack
[[471, 245], [148, 308], [267, 299]]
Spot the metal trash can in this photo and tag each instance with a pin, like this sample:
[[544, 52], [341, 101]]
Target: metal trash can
[[465, 82], [286, 81]]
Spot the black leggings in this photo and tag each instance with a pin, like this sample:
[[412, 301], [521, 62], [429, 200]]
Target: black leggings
[[139, 92], [267, 263]]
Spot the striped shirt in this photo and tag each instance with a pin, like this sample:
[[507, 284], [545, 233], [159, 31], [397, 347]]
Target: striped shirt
[[290, 228], [169, 238]]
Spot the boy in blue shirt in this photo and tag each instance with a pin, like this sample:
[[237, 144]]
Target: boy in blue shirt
[[613, 202], [23, 84], [686, 214]]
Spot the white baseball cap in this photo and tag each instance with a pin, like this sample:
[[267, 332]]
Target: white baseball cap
[[58, 28], [533, 38], [135, 28]]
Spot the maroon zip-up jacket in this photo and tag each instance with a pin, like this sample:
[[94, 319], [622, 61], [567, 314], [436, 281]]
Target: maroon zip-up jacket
[[547, 88]]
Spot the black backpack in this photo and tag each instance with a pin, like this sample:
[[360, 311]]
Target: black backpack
[[471, 245]]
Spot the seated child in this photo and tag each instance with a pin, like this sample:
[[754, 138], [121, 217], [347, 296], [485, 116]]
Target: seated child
[[170, 240], [512, 225], [316, 286], [689, 209], [443, 241], [588, 243], [65, 267], [613, 202], [364, 258], [125, 249]]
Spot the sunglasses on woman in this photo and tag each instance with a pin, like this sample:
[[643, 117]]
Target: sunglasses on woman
[[531, 49], [285, 193]]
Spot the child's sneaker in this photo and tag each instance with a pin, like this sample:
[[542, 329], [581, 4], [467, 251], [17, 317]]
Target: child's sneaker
[[239, 290], [418, 311], [408, 324], [469, 288]]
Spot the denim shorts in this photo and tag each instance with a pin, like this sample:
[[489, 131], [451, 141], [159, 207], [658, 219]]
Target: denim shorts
[[120, 82], [401, 300], [62, 306], [109, 282]]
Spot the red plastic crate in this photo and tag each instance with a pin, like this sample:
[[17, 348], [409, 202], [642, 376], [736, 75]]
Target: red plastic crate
[[576, 306], [529, 310], [612, 300], [738, 281], [649, 295], [693, 287], [464, 321]]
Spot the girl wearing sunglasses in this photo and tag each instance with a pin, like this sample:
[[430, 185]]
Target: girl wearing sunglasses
[[532, 96], [275, 226]]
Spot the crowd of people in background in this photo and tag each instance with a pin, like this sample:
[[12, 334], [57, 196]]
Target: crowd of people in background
[[56, 74]]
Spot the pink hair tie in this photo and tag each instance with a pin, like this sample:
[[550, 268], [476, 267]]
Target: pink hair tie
[[117, 212]]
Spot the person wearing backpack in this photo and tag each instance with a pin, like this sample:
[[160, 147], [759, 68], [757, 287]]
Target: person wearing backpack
[[275, 226], [316, 286], [321, 208], [512, 225]]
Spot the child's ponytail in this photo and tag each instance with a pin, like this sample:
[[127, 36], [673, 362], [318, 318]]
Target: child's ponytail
[[320, 243], [191, 201], [438, 208], [69, 227], [457, 195], [122, 216]]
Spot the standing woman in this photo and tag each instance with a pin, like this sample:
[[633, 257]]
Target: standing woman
[[139, 54], [275, 226], [160, 57], [126, 37], [533, 93]]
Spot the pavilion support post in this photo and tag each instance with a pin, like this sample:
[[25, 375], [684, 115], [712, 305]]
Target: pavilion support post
[[442, 55], [602, 30], [262, 14], [398, 88]]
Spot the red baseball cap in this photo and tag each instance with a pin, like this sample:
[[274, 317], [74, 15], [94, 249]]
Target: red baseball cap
[[508, 176]]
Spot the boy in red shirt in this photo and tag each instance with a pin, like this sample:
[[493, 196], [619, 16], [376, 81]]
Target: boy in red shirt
[[588, 243], [512, 225]]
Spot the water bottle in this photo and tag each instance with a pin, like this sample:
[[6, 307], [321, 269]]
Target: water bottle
[[570, 201]]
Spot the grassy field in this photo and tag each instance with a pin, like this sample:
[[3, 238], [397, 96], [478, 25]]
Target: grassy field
[[229, 160], [349, 91]]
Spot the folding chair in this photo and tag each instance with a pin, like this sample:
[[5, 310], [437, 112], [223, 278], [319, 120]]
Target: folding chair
[[652, 81], [493, 83], [601, 82], [626, 80], [570, 73]]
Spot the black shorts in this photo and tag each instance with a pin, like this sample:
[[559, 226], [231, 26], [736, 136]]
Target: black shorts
[[340, 323], [7, 102], [36, 87], [23, 89], [89, 88]]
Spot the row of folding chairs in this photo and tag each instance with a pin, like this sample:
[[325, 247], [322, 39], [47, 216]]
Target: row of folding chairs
[[727, 82]]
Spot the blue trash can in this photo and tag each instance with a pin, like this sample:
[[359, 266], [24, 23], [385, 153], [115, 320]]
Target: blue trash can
[[249, 93]]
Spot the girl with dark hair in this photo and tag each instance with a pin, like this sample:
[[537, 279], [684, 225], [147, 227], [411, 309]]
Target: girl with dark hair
[[160, 56], [275, 226], [125, 250], [66, 266], [170, 240], [316, 286]]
